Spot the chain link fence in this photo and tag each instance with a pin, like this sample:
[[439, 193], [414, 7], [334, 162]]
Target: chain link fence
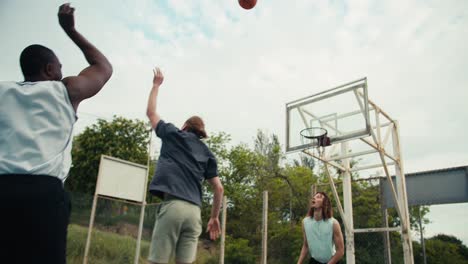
[[116, 223]]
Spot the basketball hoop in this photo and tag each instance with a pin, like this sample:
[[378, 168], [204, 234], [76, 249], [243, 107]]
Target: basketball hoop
[[315, 137]]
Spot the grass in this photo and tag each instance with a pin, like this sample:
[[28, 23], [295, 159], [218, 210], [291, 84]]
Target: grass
[[111, 248]]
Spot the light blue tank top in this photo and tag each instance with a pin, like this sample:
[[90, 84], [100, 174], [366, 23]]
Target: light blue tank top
[[36, 126], [319, 236]]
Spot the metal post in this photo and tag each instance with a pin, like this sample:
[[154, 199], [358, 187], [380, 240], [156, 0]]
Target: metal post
[[386, 234], [348, 206], [140, 231], [388, 245], [423, 243], [143, 204], [336, 196], [265, 228], [223, 231], [402, 198], [93, 213], [90, 229]]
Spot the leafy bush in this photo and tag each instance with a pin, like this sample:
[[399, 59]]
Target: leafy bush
[[238, 251]]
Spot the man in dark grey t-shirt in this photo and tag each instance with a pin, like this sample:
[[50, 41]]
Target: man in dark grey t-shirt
[[185, 162]]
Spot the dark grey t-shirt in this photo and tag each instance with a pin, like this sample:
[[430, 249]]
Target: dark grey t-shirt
[[185, 162]]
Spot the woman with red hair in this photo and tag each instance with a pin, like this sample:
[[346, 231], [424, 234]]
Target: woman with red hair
[[322, 233]]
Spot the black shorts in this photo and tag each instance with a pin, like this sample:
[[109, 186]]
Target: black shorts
[[34, 215], [313, 261]]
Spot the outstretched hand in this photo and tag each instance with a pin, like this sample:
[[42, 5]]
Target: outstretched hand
[[66, 17], [158, 77], [213, 228]]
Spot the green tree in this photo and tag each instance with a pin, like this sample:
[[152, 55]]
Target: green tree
[[462, 249], [288, 187], [417, 215], [446, 249], [121, 138]]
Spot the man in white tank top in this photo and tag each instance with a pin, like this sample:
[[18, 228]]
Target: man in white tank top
[[36, 125], [322, 233]]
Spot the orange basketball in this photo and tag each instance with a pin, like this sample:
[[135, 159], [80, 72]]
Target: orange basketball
[[247, 4]]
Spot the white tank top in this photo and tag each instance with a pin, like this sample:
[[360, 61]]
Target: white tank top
[[36, 127], [319, 236]]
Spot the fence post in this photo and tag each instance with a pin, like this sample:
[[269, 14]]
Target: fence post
[[265, 228], [90, 229], [223, 232], [140, 231], [386, 234]]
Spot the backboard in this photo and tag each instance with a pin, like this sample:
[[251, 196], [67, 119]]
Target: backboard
[[343, 111]]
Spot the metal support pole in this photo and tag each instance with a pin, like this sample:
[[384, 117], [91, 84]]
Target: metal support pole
[[421, 231], [90, 229], [265, 228], [348, 206], [143, 203], [336, 196], [386, 234], [223, 232], [140, 231], [402, 198], [93, 213]]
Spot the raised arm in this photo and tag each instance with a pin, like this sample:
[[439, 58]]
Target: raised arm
[[339, 244], [304, 248], [91, 79], [213, 224], [151, 110]]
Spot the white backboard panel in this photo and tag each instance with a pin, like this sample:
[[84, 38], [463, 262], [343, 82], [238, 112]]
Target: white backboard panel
[[343, 111], [121, 179]]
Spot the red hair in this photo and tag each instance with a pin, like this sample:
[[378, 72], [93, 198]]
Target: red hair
[[196, 125]]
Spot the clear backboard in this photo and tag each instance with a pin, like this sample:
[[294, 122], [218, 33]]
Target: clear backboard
[[343, 111]]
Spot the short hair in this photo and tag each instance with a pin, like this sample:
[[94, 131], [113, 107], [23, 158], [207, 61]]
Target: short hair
[[196, 125], [327, 211], [34, 58]]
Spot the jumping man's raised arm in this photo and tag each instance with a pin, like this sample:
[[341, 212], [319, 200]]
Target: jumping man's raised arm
[[151, 110], [91, 79]]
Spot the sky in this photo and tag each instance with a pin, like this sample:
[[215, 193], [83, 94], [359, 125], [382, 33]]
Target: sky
[[238, 68]]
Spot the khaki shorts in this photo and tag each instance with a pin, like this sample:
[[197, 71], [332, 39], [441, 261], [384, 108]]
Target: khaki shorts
[[176, 229]]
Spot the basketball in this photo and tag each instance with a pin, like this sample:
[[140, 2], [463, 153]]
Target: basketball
[[247, 4]]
